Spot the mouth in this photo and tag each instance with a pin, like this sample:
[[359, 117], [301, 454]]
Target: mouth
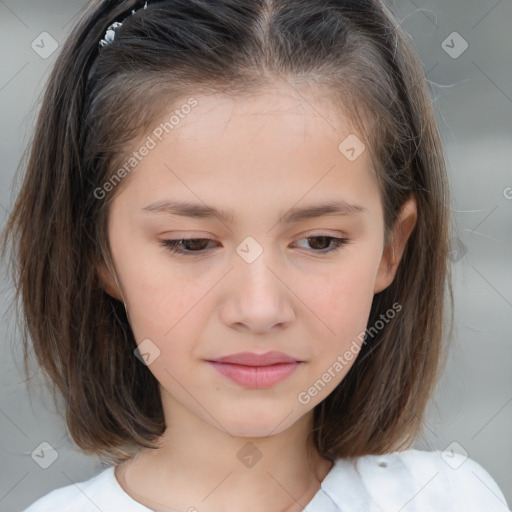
[[256, 371]]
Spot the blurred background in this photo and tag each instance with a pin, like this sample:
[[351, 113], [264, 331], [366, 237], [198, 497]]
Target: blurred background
[[466, 50]]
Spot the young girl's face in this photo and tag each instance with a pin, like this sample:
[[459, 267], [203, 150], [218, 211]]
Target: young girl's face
[[268, 278]]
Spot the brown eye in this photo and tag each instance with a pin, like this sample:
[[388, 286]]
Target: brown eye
[[325, 244], [320, 242], [197, 246], [186, 245]]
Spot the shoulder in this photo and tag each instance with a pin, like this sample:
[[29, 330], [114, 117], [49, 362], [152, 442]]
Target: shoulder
[[101, 492], [415, 480]]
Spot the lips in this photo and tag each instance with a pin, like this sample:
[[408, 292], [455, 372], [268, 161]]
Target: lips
[[252, 359], [256, 371]]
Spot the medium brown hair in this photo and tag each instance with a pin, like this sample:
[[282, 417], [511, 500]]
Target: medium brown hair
[[99, 101]]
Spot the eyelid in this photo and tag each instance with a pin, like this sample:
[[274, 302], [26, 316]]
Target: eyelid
[[310, 233], [172, 245]]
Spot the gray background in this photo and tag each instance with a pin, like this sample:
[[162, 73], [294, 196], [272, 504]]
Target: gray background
[[473, 99]]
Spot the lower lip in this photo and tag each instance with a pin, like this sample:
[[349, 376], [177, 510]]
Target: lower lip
[[255, 377]]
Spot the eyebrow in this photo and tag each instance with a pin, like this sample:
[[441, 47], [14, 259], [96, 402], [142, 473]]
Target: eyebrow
[[337, 207]]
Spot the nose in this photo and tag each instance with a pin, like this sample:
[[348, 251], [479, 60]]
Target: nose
[[258, 299]]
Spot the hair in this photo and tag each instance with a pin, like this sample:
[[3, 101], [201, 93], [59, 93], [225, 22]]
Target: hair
[[99, 101]]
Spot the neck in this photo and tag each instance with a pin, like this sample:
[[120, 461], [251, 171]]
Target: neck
[[199, 466]]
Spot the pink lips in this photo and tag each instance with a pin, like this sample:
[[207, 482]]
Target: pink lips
[[256, 371]]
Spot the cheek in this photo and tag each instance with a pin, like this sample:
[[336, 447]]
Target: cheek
[[159, 298], [343, 303], [343, 297], [161, 305]]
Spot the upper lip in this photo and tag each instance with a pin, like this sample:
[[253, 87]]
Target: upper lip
[[253, 359]]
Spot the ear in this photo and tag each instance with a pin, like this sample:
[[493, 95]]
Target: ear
[[393, 251], [107, 281]]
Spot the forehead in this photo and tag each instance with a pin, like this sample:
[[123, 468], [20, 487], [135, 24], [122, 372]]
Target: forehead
[[301, 108], [277, 146], [274, 127]]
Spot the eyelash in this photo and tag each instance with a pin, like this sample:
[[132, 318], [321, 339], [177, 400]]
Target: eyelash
[[172, 245]]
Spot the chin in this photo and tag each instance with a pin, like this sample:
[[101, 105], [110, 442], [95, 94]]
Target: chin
[[254, 430], [259, 422]]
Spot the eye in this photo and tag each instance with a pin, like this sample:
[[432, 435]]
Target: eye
[[327, 243], [193, 246]]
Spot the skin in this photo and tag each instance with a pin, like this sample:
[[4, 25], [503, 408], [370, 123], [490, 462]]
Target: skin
[[257, 156]]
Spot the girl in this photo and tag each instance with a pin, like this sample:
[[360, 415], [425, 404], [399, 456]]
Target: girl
[[231, 249]]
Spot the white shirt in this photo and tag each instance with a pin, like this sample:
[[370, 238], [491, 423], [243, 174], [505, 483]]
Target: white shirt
[[406, 481]]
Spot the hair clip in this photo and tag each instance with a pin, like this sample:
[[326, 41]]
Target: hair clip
[[110, 34]]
